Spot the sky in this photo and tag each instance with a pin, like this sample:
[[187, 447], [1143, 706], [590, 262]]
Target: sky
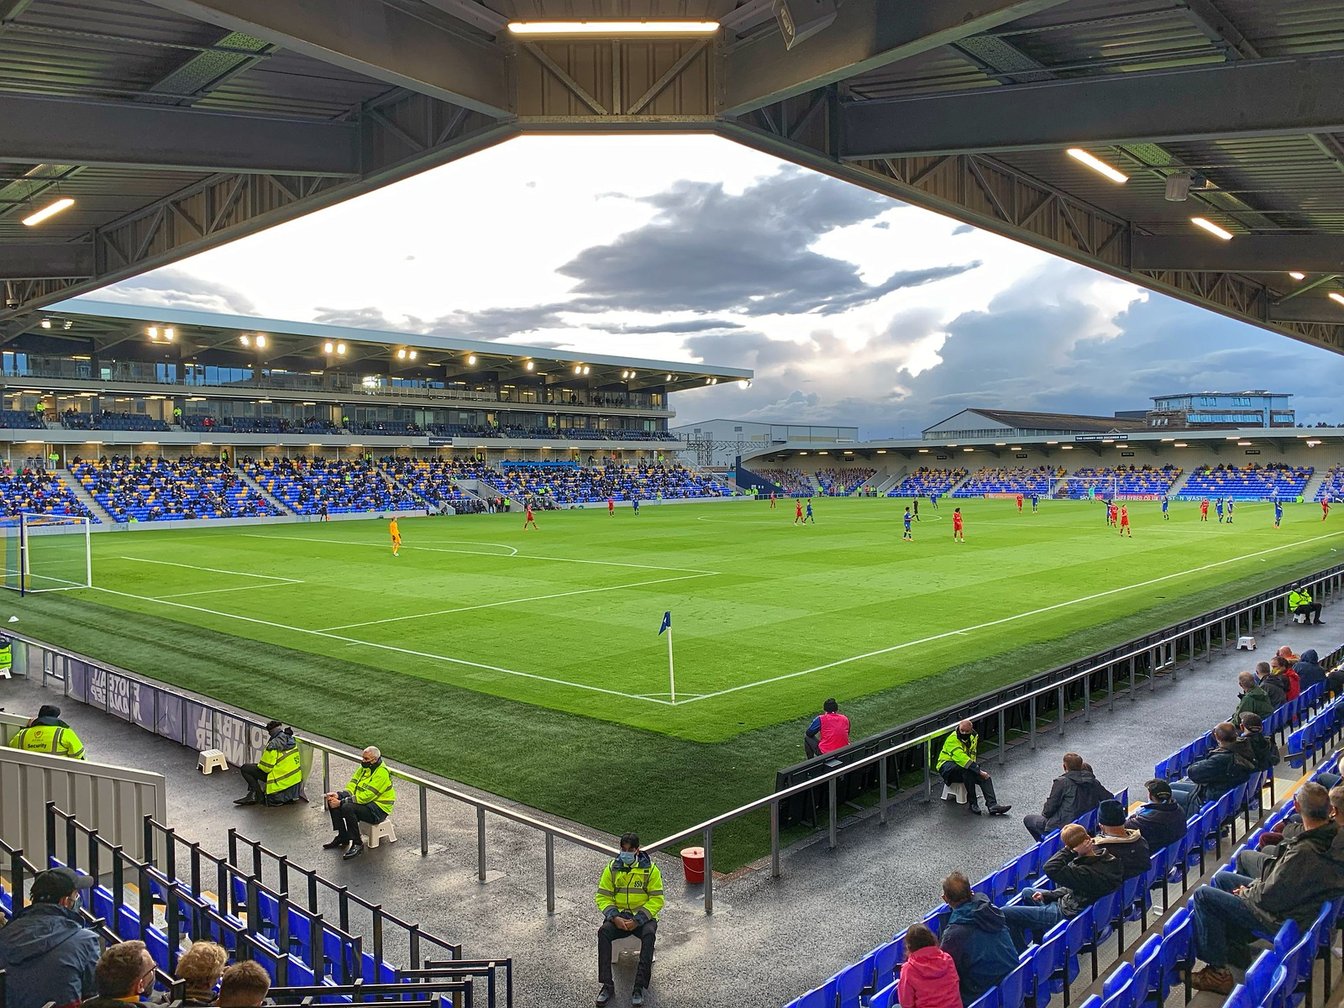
[[851, 308]]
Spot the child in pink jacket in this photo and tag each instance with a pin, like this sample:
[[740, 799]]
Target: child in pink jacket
[[929, 976]]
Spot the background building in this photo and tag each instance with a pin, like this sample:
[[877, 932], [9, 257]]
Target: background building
[[1222, 409], [718, 443]]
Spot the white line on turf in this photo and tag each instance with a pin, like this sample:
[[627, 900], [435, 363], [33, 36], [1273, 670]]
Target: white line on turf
[[213, 570], [520, 556], [1008, 619], [508, 602], [388, 647], [215, 591]]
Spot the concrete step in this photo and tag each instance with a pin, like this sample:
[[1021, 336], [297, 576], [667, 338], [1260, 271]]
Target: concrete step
[[84, 497], [265, 494]]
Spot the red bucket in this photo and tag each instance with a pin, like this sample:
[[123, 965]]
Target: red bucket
[[693, 864]]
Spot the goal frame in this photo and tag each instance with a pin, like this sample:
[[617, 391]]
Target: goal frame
[[30, 528]]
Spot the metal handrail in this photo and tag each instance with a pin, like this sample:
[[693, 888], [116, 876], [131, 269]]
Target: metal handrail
[[1266, 604]]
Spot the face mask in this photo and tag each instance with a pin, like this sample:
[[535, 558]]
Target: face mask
[[627, 858], [965, 737], [368, 764]]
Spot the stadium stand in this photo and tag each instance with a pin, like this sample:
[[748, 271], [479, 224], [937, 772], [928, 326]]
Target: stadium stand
[[1122, 480], [23, 419], [435, 481], [205, 423], [791, 481], [925, 482], [75, 420], [1011, 481], [387, 428], [39, 492], [1332, 485], [156, 489], [1052, 962], [305, 485], [1251, 482], [465, 430], [571, 483], [843, 481]]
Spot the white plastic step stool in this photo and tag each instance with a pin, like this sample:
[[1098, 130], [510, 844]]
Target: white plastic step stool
[[211, 760], [1245, 643], [955, 792], [626, 945], [379, 832], [1299, 617]]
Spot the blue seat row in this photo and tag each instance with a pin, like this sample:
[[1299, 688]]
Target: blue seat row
[[1317, 733]]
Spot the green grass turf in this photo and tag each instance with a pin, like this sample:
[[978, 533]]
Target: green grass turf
[[541, 675]]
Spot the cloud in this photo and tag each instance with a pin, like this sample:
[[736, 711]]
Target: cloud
[[689, 326], [175, 288], [962, 229]]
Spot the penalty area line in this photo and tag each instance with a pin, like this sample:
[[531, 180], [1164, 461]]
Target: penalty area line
[[215, 570], [1009, 619], [388, 647]]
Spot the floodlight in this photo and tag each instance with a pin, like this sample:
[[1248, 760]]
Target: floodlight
[[799, 20], [471, 358], [46, 323]]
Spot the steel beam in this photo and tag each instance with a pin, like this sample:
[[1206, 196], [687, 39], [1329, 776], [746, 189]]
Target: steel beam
[[68, 131], [866, 35], [1255, 253], [373, 39], [1308, 309], [37, 261], [1248, 98]]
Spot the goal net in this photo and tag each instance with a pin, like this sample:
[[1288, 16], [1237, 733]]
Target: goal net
[[45, 552]]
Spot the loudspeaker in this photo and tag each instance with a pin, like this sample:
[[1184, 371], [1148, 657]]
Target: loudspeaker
[[801, 19], [1178, 187]]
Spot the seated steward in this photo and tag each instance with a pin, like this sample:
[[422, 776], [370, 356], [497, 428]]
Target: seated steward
[[367, 798], [957, 765], [276, 778], [1300, 602], [49, 734]]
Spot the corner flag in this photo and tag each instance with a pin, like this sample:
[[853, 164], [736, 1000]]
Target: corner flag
[[667, 622]]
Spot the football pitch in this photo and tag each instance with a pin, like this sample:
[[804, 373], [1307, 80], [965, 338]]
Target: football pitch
[[507, 658]]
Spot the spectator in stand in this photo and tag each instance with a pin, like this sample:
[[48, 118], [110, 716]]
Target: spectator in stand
[[1227, 766], [47, 733], [1300, 602], [367, 798], [45, 951], [1252, 698], [1286, 653], [1308, 872], [125, 973], [1127, 844], [928, 979], [1263, 749], [1309, 670], [828, 731], [1160, 820], [1074, 793], [1275, 689], [1283, 671], [1082, 874], [1252, 862], [245, 985], [278, 776], [957, 765], [976, 937], [201, 966]]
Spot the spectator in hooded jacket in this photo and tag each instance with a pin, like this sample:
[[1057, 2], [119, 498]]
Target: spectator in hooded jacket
[[1160, 821], [1276, 689], [1225, 767], [1308, 669], [47, 953], [976, 937], [1128, 845], [1082, 873], [1252, 698], [1263, 750], [929, 976], [1074, 793], [1308, 872]]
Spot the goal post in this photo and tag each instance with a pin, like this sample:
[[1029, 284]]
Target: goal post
[[46, 552]]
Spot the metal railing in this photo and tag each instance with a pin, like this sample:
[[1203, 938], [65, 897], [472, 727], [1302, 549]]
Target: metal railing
[[1151, 656]]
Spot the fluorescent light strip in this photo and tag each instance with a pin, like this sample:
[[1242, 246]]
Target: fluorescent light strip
[[1097, 165], [1297, 274], [613, 27], [1211, 228], [65, 203], [1337, 296]]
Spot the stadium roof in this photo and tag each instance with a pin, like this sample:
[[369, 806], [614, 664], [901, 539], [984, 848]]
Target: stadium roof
[[1247, 392], [1028, 421], [97, 326], [177, 125]]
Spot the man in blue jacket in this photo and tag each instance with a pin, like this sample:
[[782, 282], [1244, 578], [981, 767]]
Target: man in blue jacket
[[1161, 821], [976, 937], [46, 952]]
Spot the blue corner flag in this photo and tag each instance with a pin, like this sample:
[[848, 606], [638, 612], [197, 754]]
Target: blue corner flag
[[667, 622]]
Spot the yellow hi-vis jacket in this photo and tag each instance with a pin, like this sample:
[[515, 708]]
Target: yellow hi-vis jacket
[[281, 764], [1298, 597], [49, 736], [373, 786], [637, 890], [958, 752], [6, 656]]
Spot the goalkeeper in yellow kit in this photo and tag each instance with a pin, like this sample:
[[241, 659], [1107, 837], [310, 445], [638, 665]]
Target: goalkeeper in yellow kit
[[396, 536]]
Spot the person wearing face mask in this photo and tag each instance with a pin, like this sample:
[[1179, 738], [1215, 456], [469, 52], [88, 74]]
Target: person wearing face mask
[[367, 798], [956, 765], [47, 954], [629, 895]]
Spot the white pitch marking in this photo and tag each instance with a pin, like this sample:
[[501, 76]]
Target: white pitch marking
[[215, 591], [387, 647], [1008, 619], [520, 556], [214, 570], [508, 602]]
